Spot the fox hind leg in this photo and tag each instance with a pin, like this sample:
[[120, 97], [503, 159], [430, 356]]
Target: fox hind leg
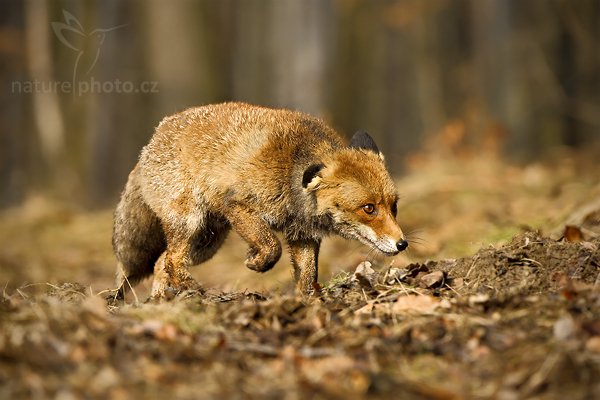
[[185, 249], [138, 238], [208, 240]]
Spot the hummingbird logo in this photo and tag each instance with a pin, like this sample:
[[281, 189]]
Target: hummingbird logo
[[86, 44]]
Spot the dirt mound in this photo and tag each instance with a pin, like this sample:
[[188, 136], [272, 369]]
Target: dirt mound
[[529, 264], [519, 321]]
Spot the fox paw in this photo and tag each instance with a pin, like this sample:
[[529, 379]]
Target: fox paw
[[259, 265], [167, 289], [262, 261]]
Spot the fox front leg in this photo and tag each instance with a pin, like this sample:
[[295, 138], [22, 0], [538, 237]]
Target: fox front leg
[[305, 254], [265, 248]]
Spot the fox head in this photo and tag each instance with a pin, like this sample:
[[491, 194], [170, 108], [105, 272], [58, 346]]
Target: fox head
[[353, 187]]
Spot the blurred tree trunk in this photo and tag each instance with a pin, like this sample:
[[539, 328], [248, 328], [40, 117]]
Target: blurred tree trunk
[[46, 107], [354, 52], [112, 123], [16, 131], [497, 96], [299, 42], [177, 55], [375, 78], [429, 60], [280, 55], [577, 59]]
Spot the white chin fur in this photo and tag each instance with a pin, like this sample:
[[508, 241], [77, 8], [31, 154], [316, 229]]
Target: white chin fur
[[366, 235]]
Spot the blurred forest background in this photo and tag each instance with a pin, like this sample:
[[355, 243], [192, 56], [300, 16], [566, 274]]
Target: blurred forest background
[[84, 82], [488, 113]]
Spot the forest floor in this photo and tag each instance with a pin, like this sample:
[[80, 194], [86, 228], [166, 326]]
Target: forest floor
[[498, 297]]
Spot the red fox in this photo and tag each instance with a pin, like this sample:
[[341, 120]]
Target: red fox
[[255, 170]]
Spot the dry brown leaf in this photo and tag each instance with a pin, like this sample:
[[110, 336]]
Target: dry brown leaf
[[415, 303], [573, 234], [410, 304], [593, 344], [365, 274], [433, 279], [317, 370], [564, 328]]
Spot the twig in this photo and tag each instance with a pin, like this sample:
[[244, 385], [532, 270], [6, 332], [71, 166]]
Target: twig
[[318, 335], [137, 301], [365, 295], [100, 293], [128, 284], [411, 289], [539, 264], [66, 290], [254, 348], [312, 352], [470, 268], [451, 288]]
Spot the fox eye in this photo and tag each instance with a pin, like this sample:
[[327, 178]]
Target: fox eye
[[369, 208], [394, 209]]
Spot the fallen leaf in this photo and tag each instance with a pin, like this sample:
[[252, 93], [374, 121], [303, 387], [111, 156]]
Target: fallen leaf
[[365, 275], [433, 279], [410, 304], [415, 303], [480, 298], [104, 379], [95, 305], [589, 246], [593, 344], [323, 369], [564, 328], [366, 309], [395, 275], [364, 269], [573, 234], [458, 283], [155, 328], [363, 281], [168, 332]]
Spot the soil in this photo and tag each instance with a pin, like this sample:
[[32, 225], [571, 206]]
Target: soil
[[518, 321], [486, 307]]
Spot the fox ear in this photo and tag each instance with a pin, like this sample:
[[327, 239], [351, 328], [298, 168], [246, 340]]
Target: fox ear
[[311, 178], [362, 140]]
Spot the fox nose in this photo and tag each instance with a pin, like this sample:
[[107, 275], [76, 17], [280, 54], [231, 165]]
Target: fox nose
[[402, 245]]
